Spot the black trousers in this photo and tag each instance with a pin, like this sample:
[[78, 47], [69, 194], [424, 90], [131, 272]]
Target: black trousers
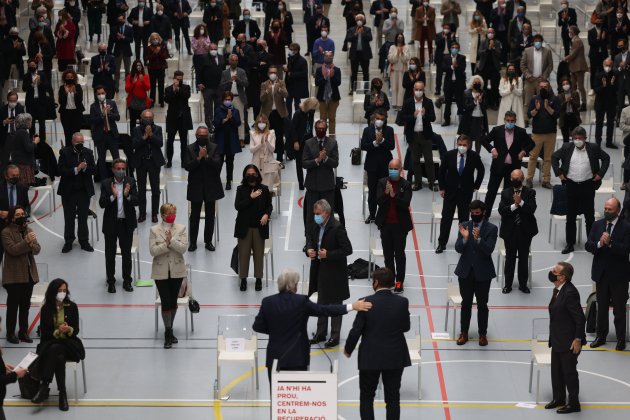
[[566, 40], [147, 167], [393, 240], [616, 291], [183, 143], [372, 183], [422, 146], [517, 245], [276, 123], [335, 321], [310, 198], [107, 142], [18, 299], [54, 364], [176, 28], [168, 289], [195, 213], [134, 116], [157, 79], [298, 168], [469, 287], [456, 200], [494, 76], [71, 123], [140, 40], [228, 158], [600, 113], [359, 60], [42, 128], [439, 73], [123, 237], [75, 207], [580, 200], [570, 122], [452, 94], [564, 377], [293, 102], [495, 181], [368, 381]]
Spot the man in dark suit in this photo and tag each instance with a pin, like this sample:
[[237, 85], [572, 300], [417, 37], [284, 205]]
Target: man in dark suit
[[147, 140], [457, 185], [178, 12], [320, 157], [203, 163], [508, 145], [609, 242], [314, 25], [248, 27], [605, 87], [12, 194], [380, 10], [295, 77], [621, 67], [284, 317], [328, 246], [140, 19], [566, 338], [359, 38], [378, 142], [578, 166], [418, 114], [161, 23], [178, 117], [500, 19], [598, 48], [518, 227], [208, 81], [443, 41], [119, 46], [393, 195], [454, 68], [566, 18], [382, 332], [103, 68], [103, 118], [119, 196], [489, 67], [475, 269], [39, 97], [8, 112], [76, 188]]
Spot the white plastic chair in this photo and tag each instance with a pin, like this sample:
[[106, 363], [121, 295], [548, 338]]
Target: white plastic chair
[[181, 303], [74, 367], [50, 189], [540, 352], [237, 327], [364, 194], [501, 255], [39, 289], [202, 216], [453, 298], [373, 252], [414, 345], [135, 252]]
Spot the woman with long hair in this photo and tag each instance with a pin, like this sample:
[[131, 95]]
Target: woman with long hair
[[398, 57], [285, 17], [477, 30], [411, 76], [376, 99], [569, 109], [156, 54], [60, 342], [511, 92], [70, 104], [64, 31], [262, 145], [200, 44], [136, 85]]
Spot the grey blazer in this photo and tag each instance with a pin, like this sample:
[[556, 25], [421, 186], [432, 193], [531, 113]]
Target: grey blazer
[[241, 83], [320, 177]]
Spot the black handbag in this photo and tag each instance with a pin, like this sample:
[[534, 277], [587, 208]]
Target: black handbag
[[234, 260], [355, 156], [193, 305], [400, 122], [28, 387]]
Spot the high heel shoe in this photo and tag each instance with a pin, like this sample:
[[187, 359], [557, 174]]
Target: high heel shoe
[[63, 400], [42, 393], [243, 285]]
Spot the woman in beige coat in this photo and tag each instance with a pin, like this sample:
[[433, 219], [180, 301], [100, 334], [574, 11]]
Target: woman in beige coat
[[511, 92], [262, 144], [477, 30], [398, 58], [167, 243], [19, 272]]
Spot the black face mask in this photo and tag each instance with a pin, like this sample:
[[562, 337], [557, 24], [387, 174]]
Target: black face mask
[[32, 69], [20, 221], [78, 147], [517, 183], [14, 180], [251, 179], [476, 217], [552, 277], [544, 93], [477, 86], [202, 141], [102, 53], [70, 81], [320, 133]]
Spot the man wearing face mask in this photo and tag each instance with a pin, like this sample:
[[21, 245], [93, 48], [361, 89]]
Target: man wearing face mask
[[609, 242], [393, 26], [247, 26], [296, 78], [508, 145], [12, 193], [515, 28], [443, 42], [359, 38], [273, 94], [378, 141], [314, 27], [454, 68], [213, 18], [208, 81], [566, 338], [76, 188], [178, 117], [119, 196], [536, 65], [161, 24], [103, 122], [140, 19], [320, 46], [621, 68], [489, 67], [598, 50], [103, 69], [424, 27], [605, 88], [518, 227], [178, 11], [566, 18], [8, 112], [120, 39], [393, 195], [581, 166], [500, 20], [577, 63], [148, 159], [203, 163], [13, 51], [234, 79], [475, 269]]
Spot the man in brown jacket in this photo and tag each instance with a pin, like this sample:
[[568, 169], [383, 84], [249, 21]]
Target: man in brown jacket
[[273, 94], [425, 29], [536, 65], [577, 64]]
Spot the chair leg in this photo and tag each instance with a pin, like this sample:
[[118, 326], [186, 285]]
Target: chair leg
[[550, 223], [273, 273], [454, 319], [431, 238], [156, 321], [420, 380], [76, 385], [192, 323], [256, 368], [186, 321], [219, 378], [266, 271], [83, 372], [445, 318], [531, 374], [537, 384]]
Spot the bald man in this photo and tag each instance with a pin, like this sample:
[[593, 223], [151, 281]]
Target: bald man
[[609, 242], [393, 195], [518, 227]]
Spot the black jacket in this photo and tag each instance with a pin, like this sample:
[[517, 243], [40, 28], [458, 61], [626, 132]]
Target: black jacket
[[63, 99], [178, 21], [178, 111], [42, 107], [598, 48], [20, 149], [476, 257], [526, 213], [382, 332], [377, 157], [134, 13], [403, 200], [110, 215], [440, 40], [12, 56], [566, 319], [4, 114], [162, 26], [565, 24], [250, 211], [459, 84], [320, 177], [335, 81], [561, 159], [609, 261], [496, 139], [72, 344], [407, 111], [605, 96], [466, 121], [296, 79], [103, 76], [383, 16], [97, 119], [69, 159], [239, 28], [210, 75], [284, 317], [21, 195], [204, 176], [544, 122], [120, 47], [150, 148], [352, 38], [449, 178]]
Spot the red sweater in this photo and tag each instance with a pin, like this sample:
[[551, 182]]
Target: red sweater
[[392, 211]]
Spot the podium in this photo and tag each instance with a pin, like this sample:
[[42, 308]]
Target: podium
[[303, 394]]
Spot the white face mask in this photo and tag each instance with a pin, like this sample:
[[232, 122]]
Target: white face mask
[[393, 15], [160, 12], [418, 93], [213, 53], [12, 105], [359, 23], [607, 69], [578, 143], [61, 296], [490, 35], [273, 77], [447, 31], [566, 88], [324, 34], [462, 150], [564, 5], [202, 31], [619, 15], [261, 126], [379, 123], [101, 97]]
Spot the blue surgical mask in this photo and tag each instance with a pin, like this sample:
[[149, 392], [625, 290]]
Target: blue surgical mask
[[227, 103], [319, 219], [393, 173], [246, 17], [520, 15], [454, 51], [510, 125], [538, 45]]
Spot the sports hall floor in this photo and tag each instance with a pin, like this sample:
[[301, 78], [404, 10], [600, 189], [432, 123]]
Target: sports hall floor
[[130, 375]]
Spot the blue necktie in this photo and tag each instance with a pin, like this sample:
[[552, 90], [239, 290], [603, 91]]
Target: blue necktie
[[460, 169]]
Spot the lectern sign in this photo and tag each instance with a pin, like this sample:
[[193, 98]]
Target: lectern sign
[[298, 395]]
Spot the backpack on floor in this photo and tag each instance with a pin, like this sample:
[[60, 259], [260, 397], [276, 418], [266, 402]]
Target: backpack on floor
[[359, 269], [591, 313]]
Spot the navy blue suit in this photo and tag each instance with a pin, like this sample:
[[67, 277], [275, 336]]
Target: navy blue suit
[[376, 159]]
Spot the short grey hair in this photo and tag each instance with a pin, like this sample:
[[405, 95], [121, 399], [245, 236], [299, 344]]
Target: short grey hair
[[288, 280], [23, 120], [578, 131], [323, 205]]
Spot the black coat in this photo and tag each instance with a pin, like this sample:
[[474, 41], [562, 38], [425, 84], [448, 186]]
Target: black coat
[[407, 111], [46, 50], [120, 47], [103, 76], [459, 85], [609, 261], [20, 149], [97, 119], [466, 121], [595, 155], [526, 213], [565, 24], [382, 331], [284, 317], [21, 195], [335, 81], [377, 157], [73, 344], [296, 79], [182, 21], [178, 111], [204, 176], [69, 159], [352, 38], [250, 211], [449, 178], [4, 114], [12, 56], [320, 177], [476, 257], [150, 148], [210, 75], [44, 106], [114, 8], [162, 26], [605, 96], [383, 16], [408, 82], [63, 99], [496, 140], [329, 277], [598, 48], [134, 13], [239, 28], [440, 40], [566, 319], [110, 215], [403, 200]]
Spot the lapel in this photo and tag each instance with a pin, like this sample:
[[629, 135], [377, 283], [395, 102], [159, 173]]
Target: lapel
[[570, 149]]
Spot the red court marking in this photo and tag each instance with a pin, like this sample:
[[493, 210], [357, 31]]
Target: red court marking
[[35, 321], [300, 201], [425, 295], [34, 197]]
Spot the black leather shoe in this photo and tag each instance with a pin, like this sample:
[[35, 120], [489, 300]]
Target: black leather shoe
[[621, 345], [63, 401], [611, 146], [333, 342], [369, 220], [168, 342], [111, 288], [42, 394], [506, 290], [569, 409], [446, 123], [127, 287], [258, 286], [192, 248], [441, 248], [174, 339], [142, 218], [598, 342], [228, 185], [568, 249], [416, 187], [524, 289], [87, 247], [243, 286], [154, 218], [13, 339], [25, 338], [316, 340], [67, 247], [210, 247], [169, 165], [555, 404]]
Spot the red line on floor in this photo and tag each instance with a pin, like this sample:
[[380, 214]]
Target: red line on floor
[[425, 296], [34, 197], [35, 321], [300, 201]]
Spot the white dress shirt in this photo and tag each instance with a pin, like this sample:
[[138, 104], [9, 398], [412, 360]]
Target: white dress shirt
[[418, 126], [537, 71], [580, 166]]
